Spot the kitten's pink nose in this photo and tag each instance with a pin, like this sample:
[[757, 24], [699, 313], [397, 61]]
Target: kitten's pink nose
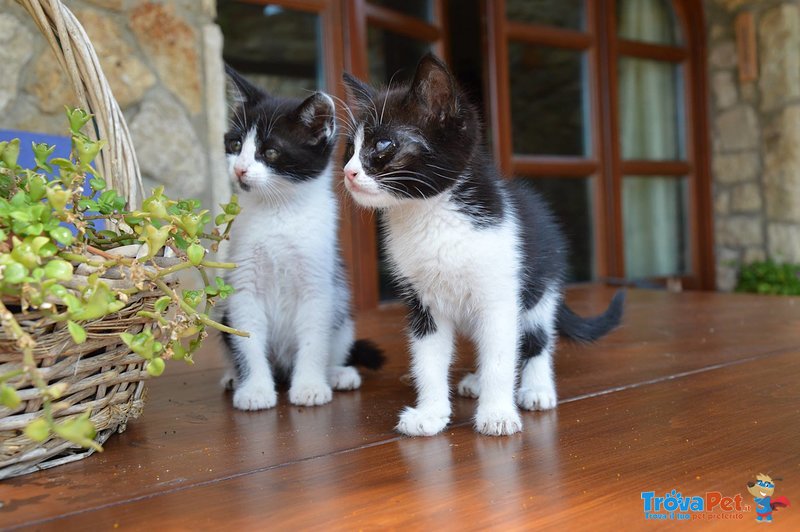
[[350, 174], [239, 171]]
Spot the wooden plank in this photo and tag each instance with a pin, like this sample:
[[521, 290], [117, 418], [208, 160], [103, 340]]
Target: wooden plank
[[586, 465], [190, 435], [540, 34], [402, 24]]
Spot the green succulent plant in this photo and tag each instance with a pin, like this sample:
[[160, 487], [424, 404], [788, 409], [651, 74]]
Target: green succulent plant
[[39, 255]]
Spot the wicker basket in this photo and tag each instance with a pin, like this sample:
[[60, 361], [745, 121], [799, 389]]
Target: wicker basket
[[103, 376]]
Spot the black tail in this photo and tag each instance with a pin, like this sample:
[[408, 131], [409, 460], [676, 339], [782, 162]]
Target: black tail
[[366, 354], [590, 329]]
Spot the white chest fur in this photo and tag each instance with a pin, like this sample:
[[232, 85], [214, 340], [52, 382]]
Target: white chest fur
[[453, 266], [286, 250]]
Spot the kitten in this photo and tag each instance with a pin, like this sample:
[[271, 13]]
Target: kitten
[[291, 293], [472, 252]]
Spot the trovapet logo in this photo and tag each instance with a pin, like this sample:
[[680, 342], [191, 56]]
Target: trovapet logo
[[675, 506]]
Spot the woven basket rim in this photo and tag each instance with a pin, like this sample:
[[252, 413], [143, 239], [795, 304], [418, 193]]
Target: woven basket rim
[[79, 62]]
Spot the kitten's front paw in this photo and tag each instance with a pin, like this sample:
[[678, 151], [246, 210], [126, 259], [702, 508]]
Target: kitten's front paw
[[310, 393], [344, 378], [415, 422], [254, 397], [497, 422], [469, 386], [537, 398]]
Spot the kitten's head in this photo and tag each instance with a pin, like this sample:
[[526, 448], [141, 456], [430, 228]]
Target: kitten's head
[[411, 142], [274, 143]]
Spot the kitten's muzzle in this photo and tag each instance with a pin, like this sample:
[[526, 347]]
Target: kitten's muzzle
[[241, 173], [350, 175]]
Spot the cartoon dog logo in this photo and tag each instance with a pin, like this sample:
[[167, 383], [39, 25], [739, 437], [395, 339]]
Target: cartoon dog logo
[[762, 490]]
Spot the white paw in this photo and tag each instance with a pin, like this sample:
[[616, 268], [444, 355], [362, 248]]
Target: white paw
[[415, 422], [497, 422], [469, 386], [255, 396], [228, 380], [344, 378], [537, 398], [310, 393]]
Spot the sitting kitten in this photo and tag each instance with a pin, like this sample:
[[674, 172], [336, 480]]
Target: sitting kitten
[[291, 293], [473, 253]]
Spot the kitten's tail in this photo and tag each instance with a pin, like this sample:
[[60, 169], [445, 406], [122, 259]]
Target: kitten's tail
[[367, 354], [590, 329]]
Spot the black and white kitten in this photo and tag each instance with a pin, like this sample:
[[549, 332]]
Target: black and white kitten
[[291, 293], [474, 253]]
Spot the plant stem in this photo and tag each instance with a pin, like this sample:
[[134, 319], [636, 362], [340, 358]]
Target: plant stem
[[192, 312]]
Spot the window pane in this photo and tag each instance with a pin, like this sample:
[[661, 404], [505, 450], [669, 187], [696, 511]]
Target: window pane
[[656, 220], [415, 8], [549, 100], [651, 109], [650, 21], [391, 55], [277, 48], [571, 201], [564, 13]]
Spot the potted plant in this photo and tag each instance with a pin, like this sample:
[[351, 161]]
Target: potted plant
[[89, 306]]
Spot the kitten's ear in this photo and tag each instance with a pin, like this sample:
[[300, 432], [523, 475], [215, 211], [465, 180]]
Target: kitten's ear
[[318, 114], [434, 87], [243, 90], [358, 92]]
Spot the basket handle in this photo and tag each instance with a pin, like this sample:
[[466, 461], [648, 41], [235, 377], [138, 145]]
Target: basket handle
[[78, 59]]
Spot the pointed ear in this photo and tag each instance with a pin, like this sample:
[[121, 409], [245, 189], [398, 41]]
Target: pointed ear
[[243, 90], [434, 87], [358, 92], [318, 114]]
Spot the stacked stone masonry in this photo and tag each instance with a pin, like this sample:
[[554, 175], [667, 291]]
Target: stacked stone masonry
[[154, 55], [756, 136]]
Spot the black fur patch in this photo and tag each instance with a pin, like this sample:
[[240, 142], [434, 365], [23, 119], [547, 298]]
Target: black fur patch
[[479, 196], [420, 321], [532, 344]]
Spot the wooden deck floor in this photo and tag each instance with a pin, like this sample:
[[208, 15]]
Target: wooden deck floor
[[696, 392]]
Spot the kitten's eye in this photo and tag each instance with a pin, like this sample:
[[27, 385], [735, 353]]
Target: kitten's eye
[[235, 146], [382, 146], [349, 151], [271, 155]]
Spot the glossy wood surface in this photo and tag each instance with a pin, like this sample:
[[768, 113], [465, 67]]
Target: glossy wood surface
[[697, 392]]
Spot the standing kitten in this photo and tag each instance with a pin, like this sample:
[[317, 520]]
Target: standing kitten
[[474, 253], [291, 292]]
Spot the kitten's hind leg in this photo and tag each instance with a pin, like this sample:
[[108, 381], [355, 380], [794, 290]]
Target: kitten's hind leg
[[537, 388], [470, 386], [343, 377], [228, 380]]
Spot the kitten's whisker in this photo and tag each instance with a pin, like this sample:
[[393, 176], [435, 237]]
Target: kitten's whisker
[[386, 97], [441, 168], [410, 172]]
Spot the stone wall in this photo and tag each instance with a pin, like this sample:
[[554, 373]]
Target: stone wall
[[756, 137], [163, 60]]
